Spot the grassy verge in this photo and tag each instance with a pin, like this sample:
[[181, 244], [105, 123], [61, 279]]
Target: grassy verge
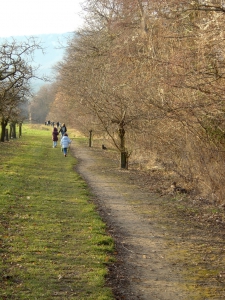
[[53, 244]]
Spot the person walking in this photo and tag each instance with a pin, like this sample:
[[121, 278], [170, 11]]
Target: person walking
[[55, 134], [65, 142], [63, 130]]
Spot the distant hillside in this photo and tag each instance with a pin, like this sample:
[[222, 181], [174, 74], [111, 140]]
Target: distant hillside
[[54, 49]]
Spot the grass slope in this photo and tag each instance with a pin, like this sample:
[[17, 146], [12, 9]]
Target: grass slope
[[53, 244]]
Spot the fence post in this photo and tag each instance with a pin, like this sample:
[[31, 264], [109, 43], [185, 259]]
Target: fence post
[[90, 138]]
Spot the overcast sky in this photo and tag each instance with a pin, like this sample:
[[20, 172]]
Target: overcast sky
[[32, 17]]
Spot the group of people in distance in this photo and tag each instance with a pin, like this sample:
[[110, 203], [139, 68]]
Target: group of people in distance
[[64, 142]]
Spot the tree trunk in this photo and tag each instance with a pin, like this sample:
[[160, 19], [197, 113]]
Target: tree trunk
[[123, 152], [6, 134], [124, 160], [12, 132], [20, 129], [3, 127]]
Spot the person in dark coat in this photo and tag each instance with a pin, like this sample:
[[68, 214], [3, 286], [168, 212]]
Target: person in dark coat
[[63, 129], [55, 134]]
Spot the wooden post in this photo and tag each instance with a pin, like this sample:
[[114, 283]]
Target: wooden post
[[90, 138]]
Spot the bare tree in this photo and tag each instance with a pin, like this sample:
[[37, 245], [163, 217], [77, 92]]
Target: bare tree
[[41, 102], [153, 72], [99, 71], [15, 74]]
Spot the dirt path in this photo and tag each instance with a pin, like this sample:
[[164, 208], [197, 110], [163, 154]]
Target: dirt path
[[142, 270], [164, 251]]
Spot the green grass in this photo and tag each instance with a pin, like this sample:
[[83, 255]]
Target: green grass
[[53, 244]]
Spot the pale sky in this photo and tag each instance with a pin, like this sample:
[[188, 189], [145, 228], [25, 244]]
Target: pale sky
[[33, 17]]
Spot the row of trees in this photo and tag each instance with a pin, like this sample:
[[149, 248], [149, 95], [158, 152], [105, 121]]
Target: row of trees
[[16, 72], [39, 107], [152, 72]]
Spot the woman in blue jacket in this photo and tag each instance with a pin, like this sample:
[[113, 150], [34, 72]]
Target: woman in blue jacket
[[65, 142]]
